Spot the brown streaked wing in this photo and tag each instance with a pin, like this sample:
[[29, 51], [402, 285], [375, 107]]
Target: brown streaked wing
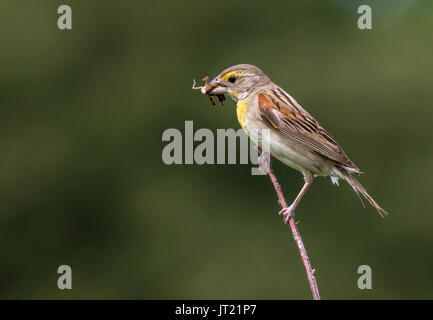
[[300, 126]]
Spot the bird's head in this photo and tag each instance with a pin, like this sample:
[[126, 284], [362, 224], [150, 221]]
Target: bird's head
[[238, 81]]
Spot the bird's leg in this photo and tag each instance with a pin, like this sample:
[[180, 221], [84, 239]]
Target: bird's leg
[[264, 161], [290, 211]]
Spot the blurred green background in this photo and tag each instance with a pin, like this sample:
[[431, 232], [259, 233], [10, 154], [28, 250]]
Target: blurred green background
[[82, 181]]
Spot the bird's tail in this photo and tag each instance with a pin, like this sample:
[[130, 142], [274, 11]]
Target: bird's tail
[[360, 189]]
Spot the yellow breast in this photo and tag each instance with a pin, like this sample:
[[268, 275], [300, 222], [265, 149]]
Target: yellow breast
[[241, 111]]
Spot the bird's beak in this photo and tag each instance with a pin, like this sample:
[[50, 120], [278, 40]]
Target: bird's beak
[[216, 87]]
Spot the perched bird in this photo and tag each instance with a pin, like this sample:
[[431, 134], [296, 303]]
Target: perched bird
[[295, 138]]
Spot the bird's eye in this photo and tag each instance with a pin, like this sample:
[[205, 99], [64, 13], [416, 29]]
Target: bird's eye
[[232, 79]]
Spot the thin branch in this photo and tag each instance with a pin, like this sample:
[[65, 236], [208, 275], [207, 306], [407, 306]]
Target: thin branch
[[297, 236]]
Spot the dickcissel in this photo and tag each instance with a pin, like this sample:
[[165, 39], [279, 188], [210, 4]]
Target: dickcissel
[[295, 137]]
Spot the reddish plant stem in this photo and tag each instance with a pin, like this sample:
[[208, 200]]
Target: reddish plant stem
[[297, 236]]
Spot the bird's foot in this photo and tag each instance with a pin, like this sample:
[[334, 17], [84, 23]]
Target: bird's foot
[[288, 213]]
